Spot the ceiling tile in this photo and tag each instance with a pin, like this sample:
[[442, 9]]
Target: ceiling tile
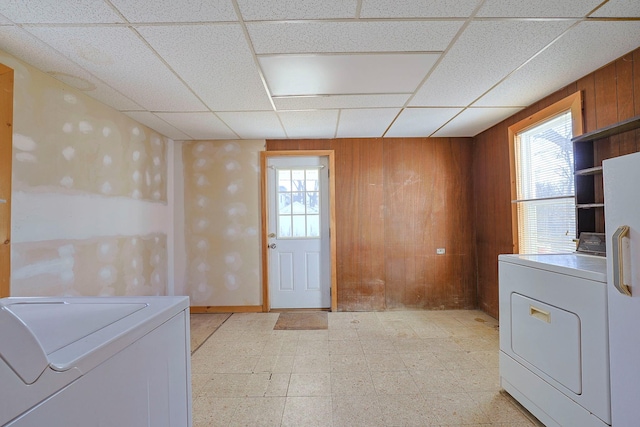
[[340, 101], [254, 124], [119, 58], [5, 21], [619, 9], [472, 121], [31, 50], [345, 74], [310, 124], [417, 9], [267, 10], [59, 11], [538, 8], [176, 10], [587, 47], [215, 61], [199, 125], [157, 124], [485, 53], [370, 122], [420, 122], [365, 36]]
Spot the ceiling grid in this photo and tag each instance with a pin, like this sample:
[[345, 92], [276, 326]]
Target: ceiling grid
[[253, 69]]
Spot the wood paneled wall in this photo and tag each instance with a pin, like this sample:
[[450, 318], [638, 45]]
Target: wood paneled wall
[[397, 200], [610, 94]]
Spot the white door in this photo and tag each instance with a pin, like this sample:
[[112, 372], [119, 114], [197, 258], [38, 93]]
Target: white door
[[622, 208], [298, 232]]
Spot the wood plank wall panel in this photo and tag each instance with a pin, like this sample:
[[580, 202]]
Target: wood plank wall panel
[[396, 201], [359, 224], [6, 130], [610, 94]]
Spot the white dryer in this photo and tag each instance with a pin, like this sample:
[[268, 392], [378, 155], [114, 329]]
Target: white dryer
[[108, 361], [554, 355]]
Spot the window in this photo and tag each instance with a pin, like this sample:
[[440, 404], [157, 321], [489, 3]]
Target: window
[[543, 192], [298, 203]]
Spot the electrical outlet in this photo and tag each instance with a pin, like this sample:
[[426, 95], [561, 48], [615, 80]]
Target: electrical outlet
[[440, 251]]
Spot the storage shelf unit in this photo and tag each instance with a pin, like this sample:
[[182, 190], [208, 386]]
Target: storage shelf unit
[[588, 174]]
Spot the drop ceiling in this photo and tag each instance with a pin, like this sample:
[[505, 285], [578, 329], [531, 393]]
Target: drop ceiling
[[249, 69]]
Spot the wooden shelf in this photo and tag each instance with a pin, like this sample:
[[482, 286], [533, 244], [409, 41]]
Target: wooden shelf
[[589, 205], [624, 126], [589, 171]]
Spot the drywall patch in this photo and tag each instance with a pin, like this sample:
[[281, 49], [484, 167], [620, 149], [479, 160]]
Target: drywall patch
[[221, 200], [96, 144], [110, 265]]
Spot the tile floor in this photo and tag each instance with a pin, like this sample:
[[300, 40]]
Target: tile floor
[[409, 368]]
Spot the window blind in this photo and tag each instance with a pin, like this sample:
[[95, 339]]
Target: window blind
[[545, 187]]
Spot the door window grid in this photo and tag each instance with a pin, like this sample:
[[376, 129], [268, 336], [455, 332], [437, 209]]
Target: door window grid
[[298, 193]]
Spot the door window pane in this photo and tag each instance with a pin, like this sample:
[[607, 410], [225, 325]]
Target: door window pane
[[313, 225], [284, 226], [298, 203], [299, 229]]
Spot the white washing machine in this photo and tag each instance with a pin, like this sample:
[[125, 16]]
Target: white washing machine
[[554, 355], [103, 361]]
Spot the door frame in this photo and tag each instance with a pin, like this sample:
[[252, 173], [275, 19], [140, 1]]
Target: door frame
[[264, 218], [6, 158]]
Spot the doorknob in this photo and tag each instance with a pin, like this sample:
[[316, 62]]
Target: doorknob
[[272, 246]]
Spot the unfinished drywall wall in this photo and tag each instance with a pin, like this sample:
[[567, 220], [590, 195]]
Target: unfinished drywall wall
[[222, 220], [89, 213]]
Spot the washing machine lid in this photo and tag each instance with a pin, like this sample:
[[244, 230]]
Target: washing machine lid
[[588, 267], [58, 324], [30, 331]]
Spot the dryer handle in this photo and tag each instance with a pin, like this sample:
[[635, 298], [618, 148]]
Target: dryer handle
[[618, 260]]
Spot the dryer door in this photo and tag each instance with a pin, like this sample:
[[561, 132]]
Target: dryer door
[[548, 338]]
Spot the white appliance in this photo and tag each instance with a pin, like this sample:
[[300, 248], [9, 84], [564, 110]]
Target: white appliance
[[622, 216], [102, 361], [553, 337]]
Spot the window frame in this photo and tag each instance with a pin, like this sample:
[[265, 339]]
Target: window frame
[[572, 103]]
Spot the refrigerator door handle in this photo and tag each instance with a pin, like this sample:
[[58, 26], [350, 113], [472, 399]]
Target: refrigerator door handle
[[618, 256]]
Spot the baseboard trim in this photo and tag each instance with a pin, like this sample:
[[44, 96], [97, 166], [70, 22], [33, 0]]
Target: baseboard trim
[[226, 309]]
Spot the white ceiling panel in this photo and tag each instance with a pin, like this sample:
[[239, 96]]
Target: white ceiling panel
[[157, 124], [24, 45], [199, 125], [289, 75], [416, 122], [538, 8], [310, 124], [200, 69], [363, 36], [417, 9], [268, 10], [59, 11], [485, 53], [254, 124], [370, 122], [472, 121], [119, 58], [619, 9], [215, 61], [176, 10], [340, 101], [550, 70]]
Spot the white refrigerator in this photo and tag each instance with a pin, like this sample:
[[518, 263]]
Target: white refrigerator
[[622, 219]]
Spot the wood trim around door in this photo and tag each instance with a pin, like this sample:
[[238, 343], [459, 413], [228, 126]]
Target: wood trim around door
[[264, 156], [6, 157]]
